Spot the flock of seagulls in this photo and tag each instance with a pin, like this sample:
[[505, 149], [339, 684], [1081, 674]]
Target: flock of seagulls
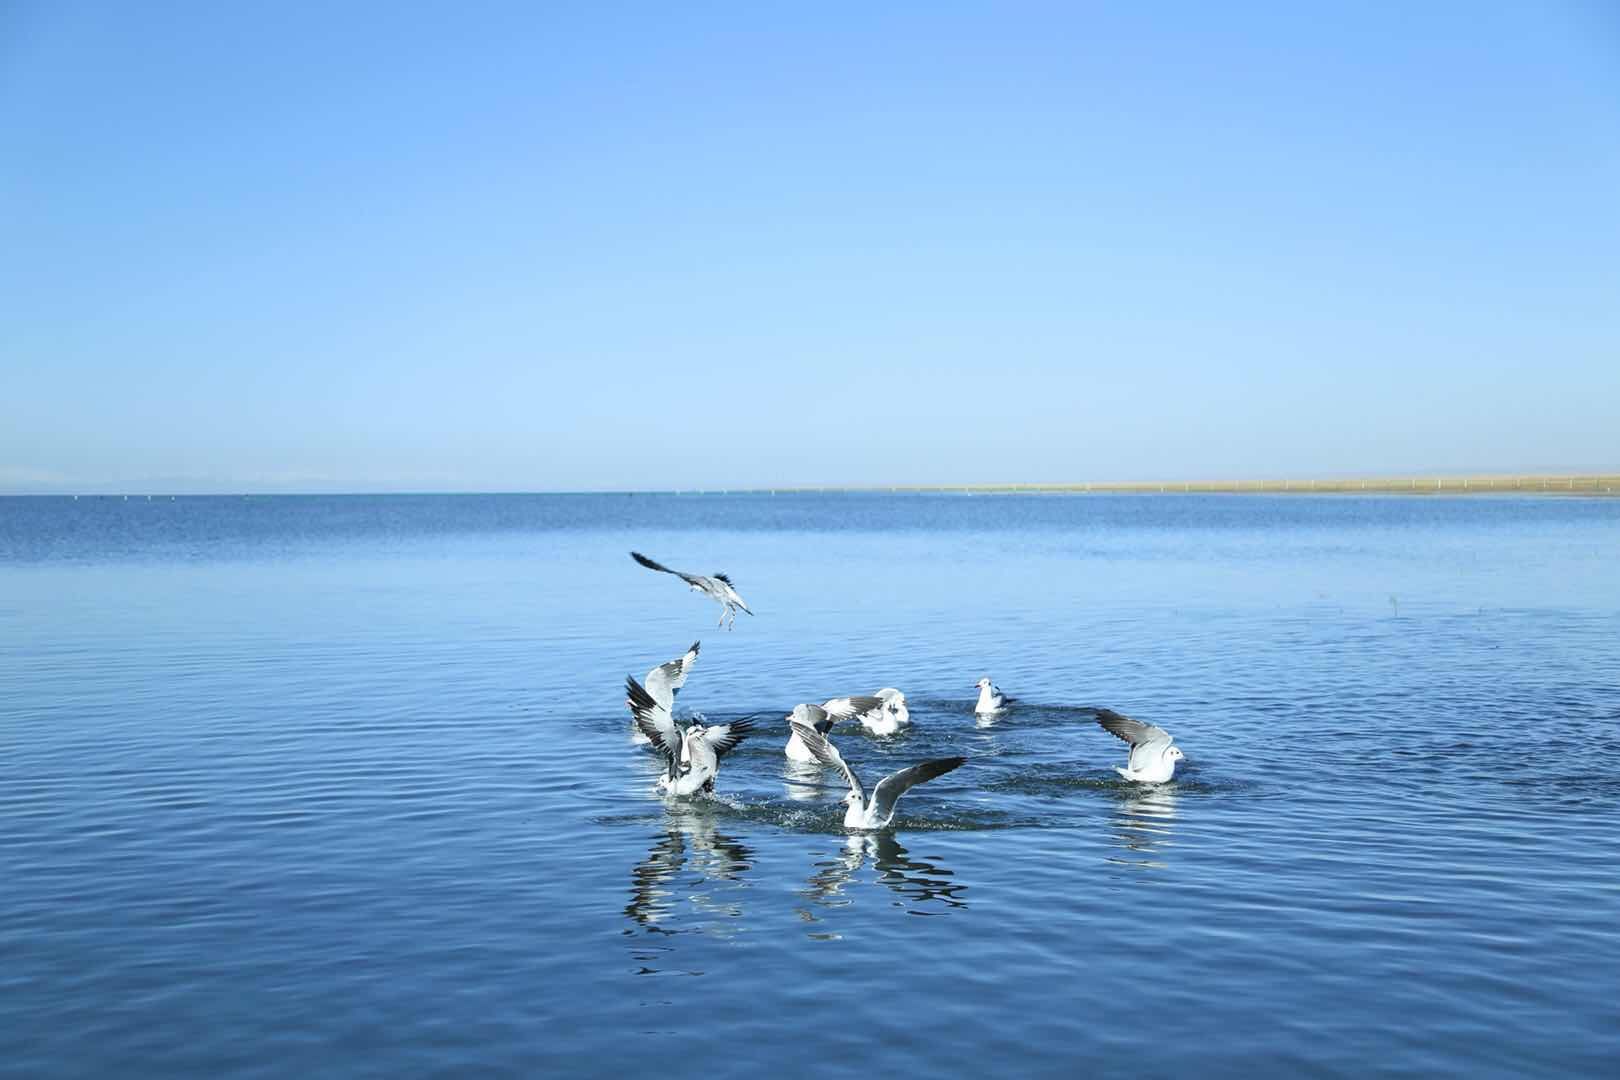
[[692, 752]]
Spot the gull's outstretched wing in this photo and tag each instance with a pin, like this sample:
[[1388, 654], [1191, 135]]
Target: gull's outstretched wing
[[690, 579], [666, 680], [891, 787], [1132, 731], [845, 708], [826, 753], [655, 722], [724, 738]]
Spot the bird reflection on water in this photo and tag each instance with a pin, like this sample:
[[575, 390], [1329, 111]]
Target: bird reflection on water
[[714, 861], [1144, 826], [925, 888]]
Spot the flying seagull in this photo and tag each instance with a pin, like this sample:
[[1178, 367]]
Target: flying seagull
[[717, 588], [990, 698], [691, 757], [822, 718], [1153, 753], [665, 681], [877, 810]]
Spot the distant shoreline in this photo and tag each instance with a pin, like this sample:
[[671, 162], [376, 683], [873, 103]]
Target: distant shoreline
[[1588, 484], [1565, 484]]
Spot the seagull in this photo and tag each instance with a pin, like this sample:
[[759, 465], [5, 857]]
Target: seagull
[[877, 810], [822, 718], [664, 682], [893, 716], [717, 588], [691, 757], [1153, 755], [990, 698]]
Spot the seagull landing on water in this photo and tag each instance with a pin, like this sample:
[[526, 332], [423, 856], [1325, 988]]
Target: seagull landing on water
[[822, 718], [664, 682], [990, 698], [717, 588], [873, 811], [1153, 751], [691, 757]]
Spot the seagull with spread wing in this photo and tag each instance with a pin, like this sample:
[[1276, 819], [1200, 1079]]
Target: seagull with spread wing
[[876, 810], [717, 588], [1153, 751], [822, 718], [691, 756], [664, 682]]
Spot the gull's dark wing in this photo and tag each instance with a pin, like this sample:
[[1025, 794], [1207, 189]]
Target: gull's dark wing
[[655, 722], [1132, 731], [891, 787], [724, 738]]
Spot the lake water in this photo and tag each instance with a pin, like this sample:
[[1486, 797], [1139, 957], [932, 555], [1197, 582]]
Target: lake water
[[344, 786]]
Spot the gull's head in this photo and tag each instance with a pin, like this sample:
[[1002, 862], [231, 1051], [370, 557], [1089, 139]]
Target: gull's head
[[1175, 754], [984, 683], [801, 713], [852, 798]]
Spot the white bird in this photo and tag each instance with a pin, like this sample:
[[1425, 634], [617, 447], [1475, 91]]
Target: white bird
[[822, 718], [717, 588], [1153, 752], [691, 757], [877, 810], [990, 698], [664, 682], [893, 716]]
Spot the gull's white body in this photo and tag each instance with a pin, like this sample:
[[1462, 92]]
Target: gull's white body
[[990, 698], [664, 682], [874, 811], [821, 718], [1153, 754]]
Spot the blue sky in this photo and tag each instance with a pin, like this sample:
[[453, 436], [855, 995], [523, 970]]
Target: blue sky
[[556, 247]]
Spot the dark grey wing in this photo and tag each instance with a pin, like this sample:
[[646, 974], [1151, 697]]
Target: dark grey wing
[[891, 787], [724, 739], [690, 579], [826, 753], [846, 707], [655, 722], [1132, 731]]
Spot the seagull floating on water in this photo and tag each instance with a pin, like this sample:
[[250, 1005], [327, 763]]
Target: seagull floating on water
[[877, 810], [664, 682], [892, 717], [691, 757], [822, 718], [1153, 751], [990, 698], [717, 588]]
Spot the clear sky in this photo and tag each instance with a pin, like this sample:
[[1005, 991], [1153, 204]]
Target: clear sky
[[479, 246]]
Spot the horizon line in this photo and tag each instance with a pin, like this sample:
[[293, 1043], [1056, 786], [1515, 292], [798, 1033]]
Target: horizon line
[[1567, 482]]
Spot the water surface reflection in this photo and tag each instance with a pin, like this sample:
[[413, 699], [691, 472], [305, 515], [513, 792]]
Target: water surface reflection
[[924, 887], [1144, 826], [707, 863]]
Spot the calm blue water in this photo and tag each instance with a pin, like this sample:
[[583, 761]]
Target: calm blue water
[[345, 786]]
